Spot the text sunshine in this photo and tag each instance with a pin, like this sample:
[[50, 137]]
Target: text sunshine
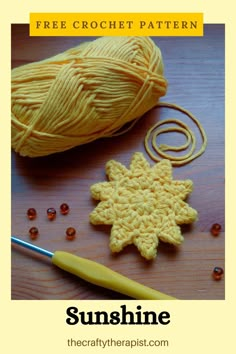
[[120, 317]]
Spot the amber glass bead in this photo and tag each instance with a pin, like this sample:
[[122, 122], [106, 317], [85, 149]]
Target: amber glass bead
[[31, 213], [33, 232], [70, 233], [64, 208], [217, 273], [51, 213], [215, 229]]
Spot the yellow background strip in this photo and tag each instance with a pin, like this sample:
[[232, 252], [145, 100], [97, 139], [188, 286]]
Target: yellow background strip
[[116, 24]]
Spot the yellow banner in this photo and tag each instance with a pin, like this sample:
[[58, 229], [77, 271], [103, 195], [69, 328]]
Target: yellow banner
[[116, 24]]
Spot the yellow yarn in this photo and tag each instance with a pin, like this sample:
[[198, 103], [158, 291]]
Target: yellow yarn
[[177, 126], [143, 203], [85, 93]]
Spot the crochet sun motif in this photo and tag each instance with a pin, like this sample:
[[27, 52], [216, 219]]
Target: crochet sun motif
[[144, 204]]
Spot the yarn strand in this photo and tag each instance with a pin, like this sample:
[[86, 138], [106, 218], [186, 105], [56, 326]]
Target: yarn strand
[[158, 151]]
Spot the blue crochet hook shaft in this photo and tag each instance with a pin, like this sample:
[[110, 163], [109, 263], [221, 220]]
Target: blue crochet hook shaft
[[31, 247], [96, 273]]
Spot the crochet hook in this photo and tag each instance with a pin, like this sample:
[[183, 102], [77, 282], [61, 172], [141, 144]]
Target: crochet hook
[[96, 273]]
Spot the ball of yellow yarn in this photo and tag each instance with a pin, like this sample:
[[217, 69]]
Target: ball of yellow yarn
[[83, 94]]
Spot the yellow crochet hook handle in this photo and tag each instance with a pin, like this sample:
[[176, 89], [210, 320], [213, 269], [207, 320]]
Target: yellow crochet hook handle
[[97, 274]]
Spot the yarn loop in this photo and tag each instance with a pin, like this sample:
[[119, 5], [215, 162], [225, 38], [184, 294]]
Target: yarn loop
[[159, 151]]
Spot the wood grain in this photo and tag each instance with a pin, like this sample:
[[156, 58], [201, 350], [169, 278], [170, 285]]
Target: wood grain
[[194, 68]]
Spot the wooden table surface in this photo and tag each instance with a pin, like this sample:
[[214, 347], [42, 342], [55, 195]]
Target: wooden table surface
[[194, 68]]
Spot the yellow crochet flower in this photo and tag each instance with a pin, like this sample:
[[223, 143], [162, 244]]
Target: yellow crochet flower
[[143, 203]]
